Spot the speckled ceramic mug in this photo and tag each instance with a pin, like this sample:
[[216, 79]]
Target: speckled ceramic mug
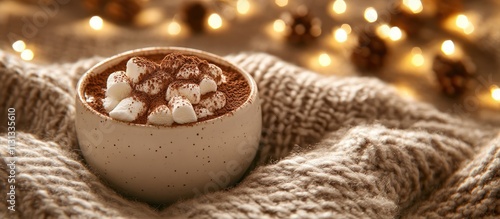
[[160, 164]]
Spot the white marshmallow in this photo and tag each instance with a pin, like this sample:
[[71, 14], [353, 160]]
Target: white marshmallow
[[182, 110], [214, 102], [154, 84], [172, 61], [188, 71], [222, 79], [127, 110], [118, 85], [207, 85], [161, 115], [214, 70], [136, 67], [109, 103], [189, 91], [216, 73], [202, 112]]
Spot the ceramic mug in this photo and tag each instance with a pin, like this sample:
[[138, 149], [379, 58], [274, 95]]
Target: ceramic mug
[[160, 164]]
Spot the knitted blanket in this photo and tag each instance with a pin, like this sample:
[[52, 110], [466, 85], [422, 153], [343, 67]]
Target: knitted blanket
[[331, 148]]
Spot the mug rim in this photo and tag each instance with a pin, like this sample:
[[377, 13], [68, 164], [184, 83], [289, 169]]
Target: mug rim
[[164, 50]]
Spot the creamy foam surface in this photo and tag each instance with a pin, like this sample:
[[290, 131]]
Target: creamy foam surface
[[177, 90]]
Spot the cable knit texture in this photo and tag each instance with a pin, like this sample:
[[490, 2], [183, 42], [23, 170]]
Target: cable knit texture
[[331, 148]]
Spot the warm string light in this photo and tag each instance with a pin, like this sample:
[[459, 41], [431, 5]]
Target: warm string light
[[415, 6], [417, 58], [469, 29], [371, 14], [215, 21], [316, 28], [149, 17], [448, 47], [395, 34], [279, 26], [174, 28], [347, 28], [324, 60], [339, 7], [96, 22], [383, 31], [341, 34], [19, 46], [462, 22], [281, 3], [27, 55], [495, 93], [243, 6]]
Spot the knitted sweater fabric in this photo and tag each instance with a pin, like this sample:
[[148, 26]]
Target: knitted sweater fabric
[[331, 147]]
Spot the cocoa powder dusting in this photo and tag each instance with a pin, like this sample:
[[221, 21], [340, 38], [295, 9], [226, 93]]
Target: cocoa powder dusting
[[236, 89]]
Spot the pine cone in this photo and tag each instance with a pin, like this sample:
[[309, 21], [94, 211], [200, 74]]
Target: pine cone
[[452, 75], [302, 28], [120, 11], [370, 52], [194, 15]]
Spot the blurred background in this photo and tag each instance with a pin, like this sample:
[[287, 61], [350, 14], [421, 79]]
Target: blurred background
[[443, 52]]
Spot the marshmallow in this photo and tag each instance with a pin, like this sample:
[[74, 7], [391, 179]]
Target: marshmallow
[[137, 66], [109, 103], [222, 79], [127, 110], [207, 85], [161, 115], [202, 112], [118, 85], [172, 61], [189, 91], [216, 73], [154, 84], [214, 102], [182, 110], [188, 71]]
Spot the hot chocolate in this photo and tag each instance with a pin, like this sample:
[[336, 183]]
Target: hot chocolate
[[134, 119], [170, 89]]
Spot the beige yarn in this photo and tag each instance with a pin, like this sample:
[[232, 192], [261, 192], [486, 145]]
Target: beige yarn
[[331, 148]]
